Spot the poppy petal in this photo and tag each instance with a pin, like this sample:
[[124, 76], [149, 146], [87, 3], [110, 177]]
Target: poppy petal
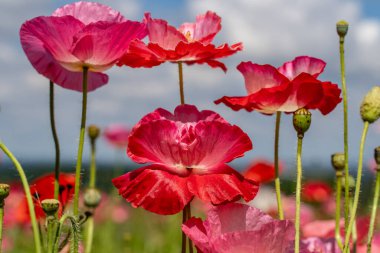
[[302, 64]]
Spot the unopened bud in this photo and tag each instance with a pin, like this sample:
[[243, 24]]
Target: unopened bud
[[4, 193], [93, 132], [337, 161], [377, 155], [50, 206], [351, 184], [301, 121], [92, 197], [370, 107], [342, 28]]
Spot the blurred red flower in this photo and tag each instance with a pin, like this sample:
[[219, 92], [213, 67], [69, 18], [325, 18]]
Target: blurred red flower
[[316, 191], [188, 151], [190, 43], [77, 35], [261, 171], [288, 88], [117, 135]]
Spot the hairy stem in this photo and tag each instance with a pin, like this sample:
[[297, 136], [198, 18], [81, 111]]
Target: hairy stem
[[298, 196], [56, 142], [276, 167], [337, 209]]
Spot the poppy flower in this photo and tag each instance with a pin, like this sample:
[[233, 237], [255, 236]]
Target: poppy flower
[[261, 171], [188, 152], [287, 89], [117, 135], [316, 191], [78, 35], [190, 43], [43, 188], [239, 228]]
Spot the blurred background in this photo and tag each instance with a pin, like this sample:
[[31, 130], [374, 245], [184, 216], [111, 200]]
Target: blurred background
[[272, 31]]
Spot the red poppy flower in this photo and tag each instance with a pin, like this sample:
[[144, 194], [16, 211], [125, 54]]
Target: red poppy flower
[[43, 188], [117, 135], [188, 151], [76, 35], [288, 88], [190, 43], [316, 191], [261, 171]]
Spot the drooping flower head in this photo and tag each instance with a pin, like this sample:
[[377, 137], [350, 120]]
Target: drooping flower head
[[117, 135], [188, 152], [238, 228], [261, 171], [190, 43], [77, 35], [286, 89]]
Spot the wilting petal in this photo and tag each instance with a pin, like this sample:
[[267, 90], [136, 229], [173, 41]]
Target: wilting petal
[[222, 188], [258, 76], [154, 189], [302, 64], [204, 29], [89, 12], [161, 33]]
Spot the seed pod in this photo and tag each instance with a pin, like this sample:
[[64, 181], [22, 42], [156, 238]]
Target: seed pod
[[301, 121], [50, 206], [337, 161], [93, 132], [370, 107], [92, 197], [342, 28]]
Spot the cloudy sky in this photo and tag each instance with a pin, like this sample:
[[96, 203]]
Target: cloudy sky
[[272, 31]]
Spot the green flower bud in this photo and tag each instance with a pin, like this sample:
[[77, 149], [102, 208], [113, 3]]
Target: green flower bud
[[377, 155], [370, 107], [50, 206], [301, 121], [342, 28], [4, 193], [92, 197], [93, 132], [337, 161], [351, 184]]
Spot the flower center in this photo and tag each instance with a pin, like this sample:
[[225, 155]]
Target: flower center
[[188, 36]]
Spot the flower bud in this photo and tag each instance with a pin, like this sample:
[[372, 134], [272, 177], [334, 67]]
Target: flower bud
[[377, 155], [93, 132], [351, 184], [370, 107], [342, 28], [301, 121], [4, 193], [50, 206], [92, 197], [337, 161]]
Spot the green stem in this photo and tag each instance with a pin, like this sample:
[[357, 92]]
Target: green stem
[[345, 133], [51, 233], [298, 195], [276, 167], [92, 182], [374, 211], [28, 195], [184, 218], [1, 223], [337, 210], [90, 234], [181, 91], [56, 142], [81, 142], [357, 188], [188, 217]]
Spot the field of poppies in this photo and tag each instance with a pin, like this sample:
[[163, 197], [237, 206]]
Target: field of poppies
[[184, 196]]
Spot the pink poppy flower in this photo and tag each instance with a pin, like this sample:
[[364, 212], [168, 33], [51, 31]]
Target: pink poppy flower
[[77, 35], [190, 43], [261, 171], [188, 151], [288, 88], [318, 245], [238, 228], [117, 135]]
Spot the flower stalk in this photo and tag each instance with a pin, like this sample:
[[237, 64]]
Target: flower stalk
[[181, 89], [25, 184], [56, 141], [276, 167], [4, 192]]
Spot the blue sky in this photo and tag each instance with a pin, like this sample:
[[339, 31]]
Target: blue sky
[[273, 31]]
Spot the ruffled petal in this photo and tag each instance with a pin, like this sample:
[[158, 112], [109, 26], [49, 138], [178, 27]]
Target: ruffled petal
[[204, 29], [222, 188], [302, 64], [258, 76], [89, 12], [195, 230], [140, 55], [161, 33], [331, 97], [154, 189]]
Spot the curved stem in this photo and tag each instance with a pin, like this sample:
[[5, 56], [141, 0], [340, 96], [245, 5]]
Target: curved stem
[[276, 167], [374, 211], [81, 142], [357, 188], [345, 133], [1, 223], [181, 91], [298, 196], [56, 142], [337, 209], [28, 195]]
